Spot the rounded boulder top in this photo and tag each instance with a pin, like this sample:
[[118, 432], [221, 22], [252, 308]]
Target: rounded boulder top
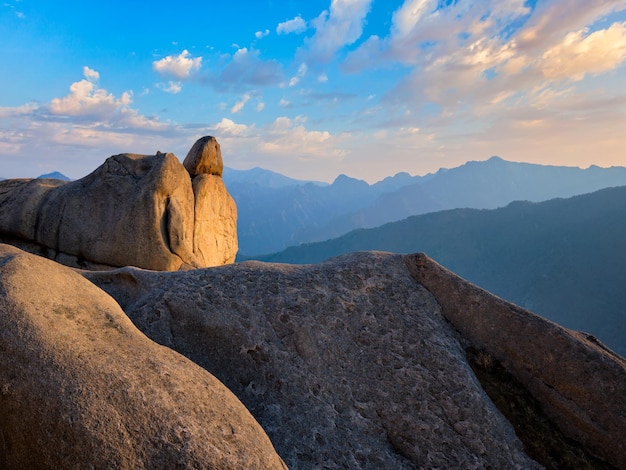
[[205, 157]]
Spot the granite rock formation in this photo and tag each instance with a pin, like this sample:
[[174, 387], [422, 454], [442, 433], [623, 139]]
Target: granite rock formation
[[138, 210], [353, 363], [81, 387], [369, 360]]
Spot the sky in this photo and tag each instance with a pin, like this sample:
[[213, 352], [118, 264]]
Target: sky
[[314, 89]]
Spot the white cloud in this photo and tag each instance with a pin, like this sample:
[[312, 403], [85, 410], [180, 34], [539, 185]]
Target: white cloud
[[340, 27], [283, 103], [86, 99], [551, 21], [409, 15], [23, 110], [229, 128], [180, 66], [302, 70], [583, 53], [296, 25], [322, 78], [260, 106], [90, 74], [289, 138], [239, 105], [261, 34], [76, 132], [172, 87]]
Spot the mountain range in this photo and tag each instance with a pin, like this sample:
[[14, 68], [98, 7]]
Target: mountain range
[[563, 258], [276, 212]]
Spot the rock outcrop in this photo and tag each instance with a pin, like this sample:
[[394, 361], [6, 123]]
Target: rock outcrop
[[579, 383], [81, 387], [353, 363], [346, 364], [369, 360], [138, 210]]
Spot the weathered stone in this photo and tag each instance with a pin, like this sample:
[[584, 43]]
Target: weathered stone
[[215, 227], [579, 383], [346, 364], [137, 210], [81, 387], [205, 157]]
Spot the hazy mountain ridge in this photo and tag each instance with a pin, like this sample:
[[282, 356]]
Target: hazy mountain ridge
[[269, 218], [57, 175], [528, 253], [272, 218]]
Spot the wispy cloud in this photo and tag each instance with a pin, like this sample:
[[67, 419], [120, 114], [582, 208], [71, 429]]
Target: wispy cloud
[[582, 52], [339, 27], [172, 87], [179, 66], [261, 34], [247, 68], [239, 105], [296, 25], [302, 69]]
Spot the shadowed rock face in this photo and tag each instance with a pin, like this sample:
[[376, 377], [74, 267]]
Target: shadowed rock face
[[578, 382], [81, 387], [138, 210], [346, 364]]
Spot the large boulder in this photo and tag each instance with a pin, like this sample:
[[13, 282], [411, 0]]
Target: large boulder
[[204, 158], [138, 210], [346, 364], [353, 363], [81, 387]]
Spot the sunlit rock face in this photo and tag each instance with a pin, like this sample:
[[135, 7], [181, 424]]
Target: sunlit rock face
[[82, 387], [147, 211]]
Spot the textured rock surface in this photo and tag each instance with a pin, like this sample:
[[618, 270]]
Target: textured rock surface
[[204, 158], [81, 387], [138, 210], [215, 227], [346, 364], [580, 384]]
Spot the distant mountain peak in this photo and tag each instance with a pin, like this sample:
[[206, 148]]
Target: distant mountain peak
[[55, 175]]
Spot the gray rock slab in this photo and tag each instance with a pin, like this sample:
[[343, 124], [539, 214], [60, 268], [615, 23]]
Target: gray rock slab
[[346, 364], [81, 387]]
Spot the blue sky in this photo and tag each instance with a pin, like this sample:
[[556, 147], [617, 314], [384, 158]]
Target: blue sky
[[313, 89]]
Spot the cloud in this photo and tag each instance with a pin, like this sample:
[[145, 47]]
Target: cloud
[[86, 104], [260, 106], [340, 27], [582, 53], [247, 68], [229, 128], [283, 103], [322, 78], [240, 104], [261, 34], [87, 100], [551, 21], [172, 87], [90, 74], [299, 75], [180, 66], [285, 136], [75, 133], [296, 25], [13, 112]]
